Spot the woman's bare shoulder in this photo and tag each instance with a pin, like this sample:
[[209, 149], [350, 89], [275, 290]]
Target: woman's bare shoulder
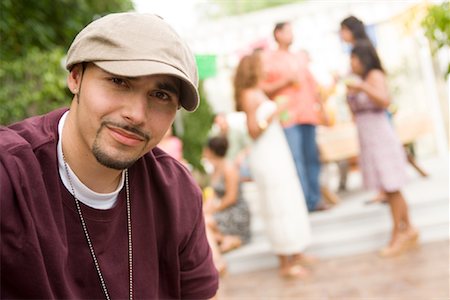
[[376, 75]]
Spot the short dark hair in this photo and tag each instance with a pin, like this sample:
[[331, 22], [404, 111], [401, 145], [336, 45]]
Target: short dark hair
[[218, 145], [368, 56], [279, 26]]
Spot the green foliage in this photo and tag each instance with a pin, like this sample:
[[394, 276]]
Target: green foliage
[[196, 127], [220, 8], [34, 84], [437, 26], [44, 24]]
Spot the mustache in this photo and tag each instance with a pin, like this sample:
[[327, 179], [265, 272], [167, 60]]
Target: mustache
[[132, 129]]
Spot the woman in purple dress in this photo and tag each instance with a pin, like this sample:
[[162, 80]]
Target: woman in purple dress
[[382, 158]]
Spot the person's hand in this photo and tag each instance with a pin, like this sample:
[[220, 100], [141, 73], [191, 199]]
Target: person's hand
[[293, 80], [282, 102], [354, 84], [210, 207], [282, 105]]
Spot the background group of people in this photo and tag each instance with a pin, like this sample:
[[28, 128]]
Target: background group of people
[[283, 106]]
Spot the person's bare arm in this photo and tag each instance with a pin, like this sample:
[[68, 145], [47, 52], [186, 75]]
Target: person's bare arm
[[231, 176], [271, 88], [250, 101], [375, 87]]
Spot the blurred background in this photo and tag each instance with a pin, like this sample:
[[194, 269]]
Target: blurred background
[[412, 39]]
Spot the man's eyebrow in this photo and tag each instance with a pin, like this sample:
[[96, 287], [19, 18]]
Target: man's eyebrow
[[169, 87]]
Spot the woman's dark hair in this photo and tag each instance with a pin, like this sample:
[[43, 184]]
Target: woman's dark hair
[[218, 145], [368, 57], [356, 27]]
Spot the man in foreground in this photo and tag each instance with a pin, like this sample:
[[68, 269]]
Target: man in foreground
[[89, 207]]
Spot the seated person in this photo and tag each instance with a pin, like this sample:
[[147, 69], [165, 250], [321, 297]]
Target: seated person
[[226, 212]]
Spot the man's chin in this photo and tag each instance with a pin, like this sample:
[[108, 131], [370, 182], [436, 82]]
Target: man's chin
[[115, 164], [112, 162]]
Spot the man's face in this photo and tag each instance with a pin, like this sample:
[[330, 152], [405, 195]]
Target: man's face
[[119, 119], [285, 35]]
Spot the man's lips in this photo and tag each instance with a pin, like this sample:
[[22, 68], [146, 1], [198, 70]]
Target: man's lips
[[126, 137]]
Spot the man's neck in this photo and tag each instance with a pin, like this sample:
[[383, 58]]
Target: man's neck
[[283, 47]]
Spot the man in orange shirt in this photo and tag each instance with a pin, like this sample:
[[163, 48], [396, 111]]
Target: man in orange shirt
[[290, 83]]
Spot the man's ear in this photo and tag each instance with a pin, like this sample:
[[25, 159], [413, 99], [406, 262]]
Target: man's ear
[[74, 78]]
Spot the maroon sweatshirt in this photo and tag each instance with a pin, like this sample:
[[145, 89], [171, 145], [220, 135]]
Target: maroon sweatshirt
[[44, 253]]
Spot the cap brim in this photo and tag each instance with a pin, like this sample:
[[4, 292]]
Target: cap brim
[[189, 96]]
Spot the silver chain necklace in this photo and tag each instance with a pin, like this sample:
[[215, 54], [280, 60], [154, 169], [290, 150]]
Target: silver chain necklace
[[89, 242]]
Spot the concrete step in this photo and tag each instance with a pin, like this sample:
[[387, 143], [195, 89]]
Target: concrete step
[[353, 227]]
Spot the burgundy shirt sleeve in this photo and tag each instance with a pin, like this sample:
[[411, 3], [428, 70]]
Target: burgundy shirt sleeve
[[199, 278]]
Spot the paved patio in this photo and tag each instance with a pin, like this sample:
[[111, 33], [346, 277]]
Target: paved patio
[[422, 273]]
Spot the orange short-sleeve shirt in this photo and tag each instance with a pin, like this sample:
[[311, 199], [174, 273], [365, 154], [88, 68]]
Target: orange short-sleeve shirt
[[303, 100]]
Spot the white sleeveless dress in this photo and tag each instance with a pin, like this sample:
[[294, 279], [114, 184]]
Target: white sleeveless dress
[[282, 201]]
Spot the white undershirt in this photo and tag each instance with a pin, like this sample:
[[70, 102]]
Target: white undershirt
[[83, 193]]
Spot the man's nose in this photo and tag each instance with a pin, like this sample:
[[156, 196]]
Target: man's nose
[[135, 109]]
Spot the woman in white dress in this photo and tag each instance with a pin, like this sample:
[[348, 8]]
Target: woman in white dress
[[273, 170]]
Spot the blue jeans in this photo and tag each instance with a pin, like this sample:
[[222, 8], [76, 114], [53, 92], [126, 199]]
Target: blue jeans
[[302, 142]]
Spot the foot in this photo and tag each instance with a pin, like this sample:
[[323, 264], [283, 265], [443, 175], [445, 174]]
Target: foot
[[380, 198], [305, 260], [221, 268], [329, 196], [404, 242], [411, 236], [294, 271], [321, 206], [230, 242]]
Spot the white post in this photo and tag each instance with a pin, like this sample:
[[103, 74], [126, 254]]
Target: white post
[[431, 91]]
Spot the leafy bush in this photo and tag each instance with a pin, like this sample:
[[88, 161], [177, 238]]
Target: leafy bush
[[196, 127], [45, 24], [437, 27], [33, 84]]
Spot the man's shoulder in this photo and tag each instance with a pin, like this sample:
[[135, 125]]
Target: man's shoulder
[[162, 157], [171, 182], [167, 167], [11, 140], [30, 133]]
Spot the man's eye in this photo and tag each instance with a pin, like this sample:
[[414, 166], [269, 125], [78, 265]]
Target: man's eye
[[161, 95], [118, 81]]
